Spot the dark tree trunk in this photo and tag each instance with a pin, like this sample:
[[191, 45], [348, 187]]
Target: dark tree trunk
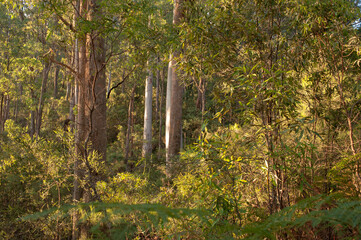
[[56, 77], [91, 118], [45, 76]]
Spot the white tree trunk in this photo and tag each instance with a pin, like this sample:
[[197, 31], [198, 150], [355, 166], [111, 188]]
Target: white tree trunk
[[147, 136], [167, 110]]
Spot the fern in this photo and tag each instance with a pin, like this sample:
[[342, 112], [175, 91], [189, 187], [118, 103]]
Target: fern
[[125, 219], [318, 212]]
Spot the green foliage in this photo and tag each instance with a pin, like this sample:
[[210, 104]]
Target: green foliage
[[318, 214], [34, 175], [119, 221], [280, 126], [125, 188]]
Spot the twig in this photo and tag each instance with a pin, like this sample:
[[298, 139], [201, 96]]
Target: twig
[[123, 80]]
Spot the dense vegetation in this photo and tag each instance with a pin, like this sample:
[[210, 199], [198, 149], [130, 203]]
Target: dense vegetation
[[223, 119]]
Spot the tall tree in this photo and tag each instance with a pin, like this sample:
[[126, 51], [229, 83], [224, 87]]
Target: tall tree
[[147, 136], [174, 97], [91, 119]]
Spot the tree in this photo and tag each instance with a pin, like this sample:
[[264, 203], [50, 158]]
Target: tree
[[91, 119], [174, 98], [147, 137]]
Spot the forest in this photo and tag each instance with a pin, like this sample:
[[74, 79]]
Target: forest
[[180, 119]]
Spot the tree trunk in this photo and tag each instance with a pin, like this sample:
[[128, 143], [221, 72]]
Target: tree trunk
[[174, 100], [201, 98], [32, 124], [157, 93], [147, 136], [71, 107], [44, 82], [56, 77], [91, 126], [129, 128], [4, 110], [91, 119], [160, 77], [68, 90], [80, 8], [74, 92], [7, 110], [109, 82], [167, 117]]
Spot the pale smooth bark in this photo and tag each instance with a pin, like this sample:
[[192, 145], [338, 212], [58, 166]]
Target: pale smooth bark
[[160, 77], [174, 100], [129, 128], [147, 135], [79, 9], [167, 116]]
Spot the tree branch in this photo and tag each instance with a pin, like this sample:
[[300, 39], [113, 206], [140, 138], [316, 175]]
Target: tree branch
[[71, 27], [63, 64], [123, 80]]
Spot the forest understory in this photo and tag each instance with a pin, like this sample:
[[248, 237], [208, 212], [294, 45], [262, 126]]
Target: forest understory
[[183, 119]]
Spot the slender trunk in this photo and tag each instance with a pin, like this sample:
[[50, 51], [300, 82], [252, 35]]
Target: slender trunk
[[109, 81], [17, 101], [147, 136], [42, 96], [157, 89], [4, 110], [56, 77], [160, 77], [71, 106], [76, 67], [68, 90], [32, 124], [7, 110], [15, 113], [74, 90], [80, 8], [201, 99], [1, 111], [32, 115], [167, 118], [356, 178], [129, 128], [199, 96]]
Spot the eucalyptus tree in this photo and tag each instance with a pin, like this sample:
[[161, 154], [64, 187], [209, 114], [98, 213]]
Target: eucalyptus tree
[[147, 137], [174, 99]]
